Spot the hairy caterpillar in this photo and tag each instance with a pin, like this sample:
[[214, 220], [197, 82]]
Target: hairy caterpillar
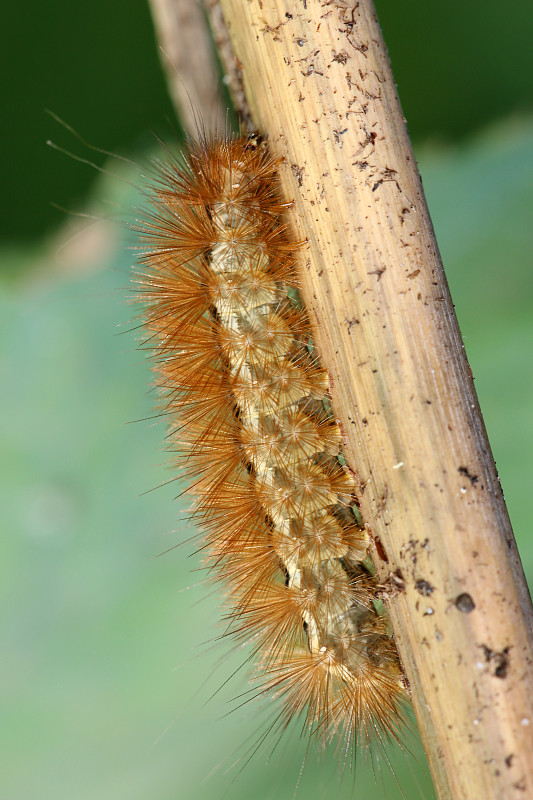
[[254, 432]]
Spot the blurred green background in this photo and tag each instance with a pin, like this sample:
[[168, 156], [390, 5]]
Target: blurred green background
[[107, 660]]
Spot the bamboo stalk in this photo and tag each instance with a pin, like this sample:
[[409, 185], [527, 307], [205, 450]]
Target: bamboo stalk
[[316, 78]]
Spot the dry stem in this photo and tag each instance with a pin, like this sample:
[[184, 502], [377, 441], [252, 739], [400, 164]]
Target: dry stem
[[316, 78], [189, 63]]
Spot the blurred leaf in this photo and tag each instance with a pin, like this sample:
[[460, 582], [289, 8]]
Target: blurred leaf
[[92, 625]]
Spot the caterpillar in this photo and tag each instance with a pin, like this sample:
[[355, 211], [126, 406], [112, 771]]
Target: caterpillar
[[253, 431]]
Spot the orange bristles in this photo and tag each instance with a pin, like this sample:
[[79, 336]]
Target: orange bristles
[[252, 428]]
